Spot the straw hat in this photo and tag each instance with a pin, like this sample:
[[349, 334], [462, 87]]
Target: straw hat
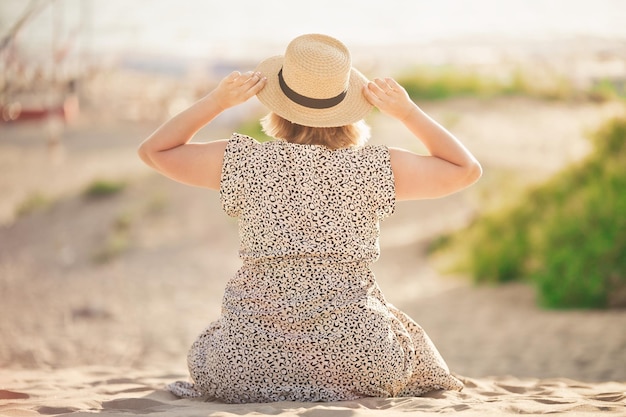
[[314, 83]]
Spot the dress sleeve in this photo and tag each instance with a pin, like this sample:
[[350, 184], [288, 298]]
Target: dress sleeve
[[232, 182], [382, 186]]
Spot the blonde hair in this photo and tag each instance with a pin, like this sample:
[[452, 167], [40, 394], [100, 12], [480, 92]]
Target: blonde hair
[[355, 134]]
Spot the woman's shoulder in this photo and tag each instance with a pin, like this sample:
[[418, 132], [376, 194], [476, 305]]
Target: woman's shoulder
[[245, 140], [375, 153], [374, 149], [241, 142]]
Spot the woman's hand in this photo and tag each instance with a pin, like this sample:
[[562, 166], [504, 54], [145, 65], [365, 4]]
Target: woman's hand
[[389, 97], [449, 167], [237, 88], [168, 149]]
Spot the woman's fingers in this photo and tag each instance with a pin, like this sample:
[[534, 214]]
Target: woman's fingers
[[248, 80], [257, 82], [388, 96], [387, 85], [233, 76], [245, 84], [373, 93], [393, 84], [245, 77], [380, 89], [383, 86]]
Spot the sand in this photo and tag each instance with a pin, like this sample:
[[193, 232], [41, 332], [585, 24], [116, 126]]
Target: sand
[[100, 298], [110, 391]]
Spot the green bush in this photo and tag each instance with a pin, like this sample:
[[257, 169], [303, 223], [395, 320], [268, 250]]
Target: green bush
[[567, 236], [102, 188], [607, 89], [441, 83]]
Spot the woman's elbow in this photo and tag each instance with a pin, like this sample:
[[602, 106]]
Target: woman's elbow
[[474, 172], [144, 154]]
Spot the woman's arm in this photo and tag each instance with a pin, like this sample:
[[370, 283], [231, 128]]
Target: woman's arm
[[168, 149], [450, 167]]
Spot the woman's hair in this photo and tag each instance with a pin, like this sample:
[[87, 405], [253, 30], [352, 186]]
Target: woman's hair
[[355, 134]]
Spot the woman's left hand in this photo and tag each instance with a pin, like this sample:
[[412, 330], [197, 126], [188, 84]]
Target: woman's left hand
[[237, 88], [389, 97]]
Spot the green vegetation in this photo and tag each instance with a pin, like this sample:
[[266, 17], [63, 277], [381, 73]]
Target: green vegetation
[[157, 203], [38, 201], [566, 236], [428, 83], [438, 83], [253, 129], [608, 89], [34, 202], [103, 188], [117, 241]]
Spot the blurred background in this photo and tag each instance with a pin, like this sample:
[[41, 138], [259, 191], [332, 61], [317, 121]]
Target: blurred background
[[104, 262]]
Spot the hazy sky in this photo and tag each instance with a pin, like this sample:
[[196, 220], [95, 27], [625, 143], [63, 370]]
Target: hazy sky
[[193, 27]]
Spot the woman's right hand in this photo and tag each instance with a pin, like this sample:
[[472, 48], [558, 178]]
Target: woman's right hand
[[237, 88], [389, 97], [168, 149]]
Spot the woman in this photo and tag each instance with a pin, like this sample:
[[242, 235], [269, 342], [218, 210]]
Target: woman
[[303, 318]]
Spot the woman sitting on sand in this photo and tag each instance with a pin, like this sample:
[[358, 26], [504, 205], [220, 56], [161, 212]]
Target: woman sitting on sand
[[303, 318]]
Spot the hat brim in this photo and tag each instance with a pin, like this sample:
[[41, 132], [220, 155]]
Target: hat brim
[[351, 109]]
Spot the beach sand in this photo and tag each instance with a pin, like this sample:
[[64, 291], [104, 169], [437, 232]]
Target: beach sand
[[100, 298], [111, 391]]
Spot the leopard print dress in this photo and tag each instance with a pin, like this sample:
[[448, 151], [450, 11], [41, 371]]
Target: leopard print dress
[[303, 318]]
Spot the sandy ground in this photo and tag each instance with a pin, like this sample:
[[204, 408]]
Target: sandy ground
[[100, 298], [106, 391]]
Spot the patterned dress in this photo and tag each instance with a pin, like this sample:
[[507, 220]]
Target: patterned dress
[[303, 318]]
